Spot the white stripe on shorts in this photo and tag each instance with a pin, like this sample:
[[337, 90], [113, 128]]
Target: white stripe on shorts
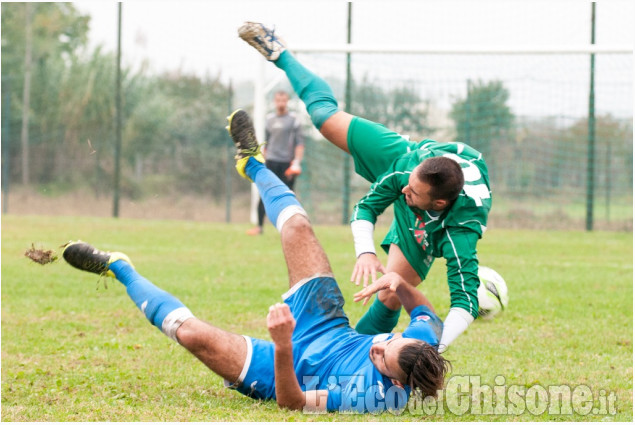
[[298, 285], [243, 373]]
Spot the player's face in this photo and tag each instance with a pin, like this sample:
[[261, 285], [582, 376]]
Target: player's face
[[281, 100], [417, 193], [385, 357]]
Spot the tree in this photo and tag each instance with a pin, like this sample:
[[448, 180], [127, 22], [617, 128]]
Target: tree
[[483, 116], [37, 39], [409, 114], [399, 108], [614, 150]]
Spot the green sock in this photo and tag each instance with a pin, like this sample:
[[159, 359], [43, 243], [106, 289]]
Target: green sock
[[378, 319]]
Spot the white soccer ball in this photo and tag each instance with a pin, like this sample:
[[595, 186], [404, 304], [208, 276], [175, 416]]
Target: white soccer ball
[[492, 293]]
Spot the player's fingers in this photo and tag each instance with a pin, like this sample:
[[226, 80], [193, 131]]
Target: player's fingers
[[374, 275], [358, 296], [366, 275], [357, 273], [282, 308], [285, 311], [276, 312], [270, 317]]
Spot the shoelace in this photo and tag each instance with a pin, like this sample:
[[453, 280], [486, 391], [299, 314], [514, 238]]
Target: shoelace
[[270, 34]]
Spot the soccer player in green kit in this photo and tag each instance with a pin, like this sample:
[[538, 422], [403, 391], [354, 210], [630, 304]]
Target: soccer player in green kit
[[440, 193]]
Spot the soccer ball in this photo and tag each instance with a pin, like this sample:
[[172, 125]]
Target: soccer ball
[[492, 293]]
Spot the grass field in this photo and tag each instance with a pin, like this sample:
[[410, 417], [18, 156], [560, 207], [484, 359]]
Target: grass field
[[75, 351]]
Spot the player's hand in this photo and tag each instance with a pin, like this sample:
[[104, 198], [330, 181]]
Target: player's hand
[[280, 323], [294, 169], [390, 281], [366, 267]]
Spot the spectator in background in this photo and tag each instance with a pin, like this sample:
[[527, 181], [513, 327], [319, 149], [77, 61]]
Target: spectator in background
[[283, 150]]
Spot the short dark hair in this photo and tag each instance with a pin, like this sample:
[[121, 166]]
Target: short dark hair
[[424, 367], [444, 175]]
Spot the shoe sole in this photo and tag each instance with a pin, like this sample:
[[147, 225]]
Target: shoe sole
[[241, 129], [254, 34]]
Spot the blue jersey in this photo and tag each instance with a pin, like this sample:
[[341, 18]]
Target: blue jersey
[[330, 355]]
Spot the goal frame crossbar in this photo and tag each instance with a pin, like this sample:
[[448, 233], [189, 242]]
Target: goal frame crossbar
[[463, 50]]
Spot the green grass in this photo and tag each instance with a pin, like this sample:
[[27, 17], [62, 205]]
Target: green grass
[[75, 351]]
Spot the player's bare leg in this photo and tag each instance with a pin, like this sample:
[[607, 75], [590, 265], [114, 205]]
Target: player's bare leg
[[223, 352], [335, 129], [334, 125], [303, 253]]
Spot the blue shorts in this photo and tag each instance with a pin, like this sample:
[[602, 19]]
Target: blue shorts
[[317, 306]]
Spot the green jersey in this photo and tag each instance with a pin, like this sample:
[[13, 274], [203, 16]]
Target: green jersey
[[425, 235]]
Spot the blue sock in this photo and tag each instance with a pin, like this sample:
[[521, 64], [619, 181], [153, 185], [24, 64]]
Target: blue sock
[[155, 303], [316, 94], [276, 196]]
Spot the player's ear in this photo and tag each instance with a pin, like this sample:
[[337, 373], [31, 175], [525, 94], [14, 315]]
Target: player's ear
[[440, 204], [397, 383]]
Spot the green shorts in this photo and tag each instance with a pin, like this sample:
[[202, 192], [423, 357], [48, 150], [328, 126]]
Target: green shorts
[[374, 148]]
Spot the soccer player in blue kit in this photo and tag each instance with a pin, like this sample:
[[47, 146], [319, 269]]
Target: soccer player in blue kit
[[316, 361]]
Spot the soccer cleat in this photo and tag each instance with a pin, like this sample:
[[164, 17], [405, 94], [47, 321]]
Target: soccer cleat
[[241, 129], [262, 39], [85, 257], [255, 231]]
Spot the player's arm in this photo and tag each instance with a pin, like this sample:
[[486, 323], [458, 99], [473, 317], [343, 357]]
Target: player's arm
[[459, 250], [281, 323], [381, 195], [295, 167], [409, 296]]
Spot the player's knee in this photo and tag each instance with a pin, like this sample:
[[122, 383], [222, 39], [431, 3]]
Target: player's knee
[[189, 335], [298, 224], [320, 115], [289, 214], [335, 129], [321, 106]]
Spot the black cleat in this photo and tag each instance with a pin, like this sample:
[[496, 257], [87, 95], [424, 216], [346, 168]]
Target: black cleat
[[242, 131], [85, 257]]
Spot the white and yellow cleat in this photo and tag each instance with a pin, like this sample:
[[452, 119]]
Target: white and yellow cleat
[[262, 39]]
